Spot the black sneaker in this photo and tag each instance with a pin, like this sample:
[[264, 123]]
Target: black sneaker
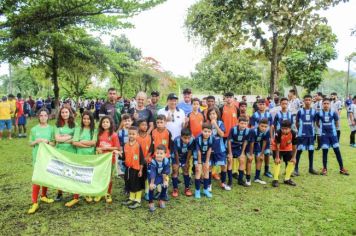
[[242, 183], [275, 183], [290, 182], [59, 197], [135, 205], [313, 172], [343, 171]]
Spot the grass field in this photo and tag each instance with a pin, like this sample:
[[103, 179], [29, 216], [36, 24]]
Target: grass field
[[317, 206]]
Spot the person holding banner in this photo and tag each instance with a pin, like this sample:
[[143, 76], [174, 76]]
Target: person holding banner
[[41, 133], [63, 134], [85, 138], [108, 141]]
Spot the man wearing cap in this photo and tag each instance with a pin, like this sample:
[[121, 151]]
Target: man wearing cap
[[175, 116], [186, 104], [5, 116], [154, 106]]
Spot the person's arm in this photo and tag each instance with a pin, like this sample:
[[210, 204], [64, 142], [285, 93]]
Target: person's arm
[[244, 148], [208, 154], [102, 111], [278, 142], [220, 130], [61, 138], [317, 120], [337, 120], [152, 176], [150, 121], [297, 120], [252, 121], [76, 139], [294, 147], [229, 148], [142, 162]]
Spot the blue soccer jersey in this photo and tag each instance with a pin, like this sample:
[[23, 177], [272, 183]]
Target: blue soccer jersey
[[237, 138], [280, 117], [257, 116], [123, 136], [158, 169], [183, 149], [257, 138], [203, 146], [218, 142], [327, 122], [306, 120]]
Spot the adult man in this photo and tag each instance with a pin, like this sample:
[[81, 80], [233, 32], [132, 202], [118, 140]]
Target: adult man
[[175, 116], [186, 104], [352, 121], [5, 117], [153, 106], [108, 108], [31, 102], [336, 106], [293, 106], [140, 112]]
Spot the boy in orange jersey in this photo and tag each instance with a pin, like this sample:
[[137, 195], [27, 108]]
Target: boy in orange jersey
[[195, 119], [161, 135]]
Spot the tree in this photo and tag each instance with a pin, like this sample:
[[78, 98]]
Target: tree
[[271, 24]]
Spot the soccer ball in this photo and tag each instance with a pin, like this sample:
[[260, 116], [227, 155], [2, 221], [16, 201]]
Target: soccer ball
[[69, 172]]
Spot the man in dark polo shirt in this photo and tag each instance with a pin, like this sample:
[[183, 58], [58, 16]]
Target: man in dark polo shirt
[[108, 108]]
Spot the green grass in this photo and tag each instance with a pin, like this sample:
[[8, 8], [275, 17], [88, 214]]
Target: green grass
[[317, 206]]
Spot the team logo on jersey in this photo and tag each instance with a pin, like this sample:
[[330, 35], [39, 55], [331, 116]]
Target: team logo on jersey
[[164, 141], [327, 119], [307, 117], [233, 115], [135, 157]]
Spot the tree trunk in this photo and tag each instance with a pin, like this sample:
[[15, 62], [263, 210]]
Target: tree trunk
[[274, 65], [54, 75]]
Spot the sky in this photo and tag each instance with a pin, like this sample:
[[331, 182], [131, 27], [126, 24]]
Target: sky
[[160, 33]]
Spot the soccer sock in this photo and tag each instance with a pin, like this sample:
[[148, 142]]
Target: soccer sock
[[299, 154], [44, 191], [311, 159], [234, 165], [206, 184], [325, 158], [110, 187], [223, 176], [147, 187], [241, 175], [132, 196], [214, 170], [276, 170], [76, 196], [197, 184], [175, 182], [163, 193], [229, 176], [186, 181], [338, 157], [138, 196], [248, 177], [257, 176], [318, 140], [338, 132], [266, 168], [352, 137], [289, 170], [210, 177], [150, 196], [35, 191]]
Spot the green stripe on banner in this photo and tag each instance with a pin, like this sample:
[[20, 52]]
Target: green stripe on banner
[[87, 175]]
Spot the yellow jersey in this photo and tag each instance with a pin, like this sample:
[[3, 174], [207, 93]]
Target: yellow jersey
[[5, 110], [12, 107]]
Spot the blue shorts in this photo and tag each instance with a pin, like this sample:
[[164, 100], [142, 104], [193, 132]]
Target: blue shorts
[[329, 142], [5, 123], [305, 143], [21, 120], [182, 161], [202, 161], [219, 159]]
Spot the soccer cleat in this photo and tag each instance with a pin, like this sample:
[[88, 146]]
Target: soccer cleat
[[59, 197], [146, 197], [175, 192], [162, 204], [188, 192], [108, 198], [33, 208], [248, 182], [210, 188], [127, 202], [72, 202], [343, 171], [215, 176], [260, 181], [225, 187], [242, 183], [290, 182], [324, 172], [275, 183], [313, 172], [268, 174], [134, 205], [207, 193], [197, 194], [97, 199], [47, 200], [88, 199], [152, 207]]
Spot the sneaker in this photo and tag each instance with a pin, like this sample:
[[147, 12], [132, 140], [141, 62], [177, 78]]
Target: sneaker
[[242, 183], [290, 182], [151, 207], [162, 204], [175, 192], [59, 197], [108, 198], [275, 183], [207, 193], [354, 145], [127, 202], [47, 200], [215, 176], [295, 173], [197, 194], [248, 182], [88, 199], [188, 192], [268, 174], [210, 188], [147, 198], [134, 205], [324, 172], [33, 208], [72, 202], [313, 172], [343, 171], [97, 199], [225, 187], [260, 181]]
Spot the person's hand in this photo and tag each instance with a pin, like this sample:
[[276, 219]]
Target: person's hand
[[165, 183], [242, 155], [229, 156], [293, 160], [277, 160], [169, 117], [152, 186], [213, 122], [140, 173], [206, 166], [186, 120], [99, 151], [261, 156], [353, 122]]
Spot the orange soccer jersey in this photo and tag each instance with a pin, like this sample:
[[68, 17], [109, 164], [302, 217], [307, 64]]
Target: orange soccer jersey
[[133, 156], [195, 123], [146, 145], [162, 137], [229, 117]]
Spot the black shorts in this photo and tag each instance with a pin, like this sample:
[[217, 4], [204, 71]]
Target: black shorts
[[286, 156], [133, 183]]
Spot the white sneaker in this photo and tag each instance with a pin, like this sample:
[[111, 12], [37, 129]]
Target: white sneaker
[[209, 188], [226, 187], [248, 182], [259, 181]]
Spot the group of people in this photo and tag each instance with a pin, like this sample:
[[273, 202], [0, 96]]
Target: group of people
[[152, 144]]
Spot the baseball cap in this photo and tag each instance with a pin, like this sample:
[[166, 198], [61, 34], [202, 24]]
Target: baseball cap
[[172, 96]]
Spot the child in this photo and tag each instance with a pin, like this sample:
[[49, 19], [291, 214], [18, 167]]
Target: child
[[328, 122], [161, 135], [41, 133], [305, 124], [218, 156], [145, 141], [204, 143], [22, 111], [159, 171], [282, 115], [285, 147], [134, 161], [184, 146], [195, 118], [64, 132], [123, 134], [85, 138], [237, 143], [258, 145], [107, 142], [243, 110]]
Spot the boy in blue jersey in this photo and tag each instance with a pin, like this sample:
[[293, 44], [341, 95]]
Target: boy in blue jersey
[[202, 162], [183, 147], [123, 135], [238, 140], [328, 122], [159, 171], [282, 115], [259, 139], [305, 121], [262, 113]]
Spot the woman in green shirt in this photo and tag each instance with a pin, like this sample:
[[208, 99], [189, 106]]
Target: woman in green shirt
[[85, 141], [63, 134], [41, 133]]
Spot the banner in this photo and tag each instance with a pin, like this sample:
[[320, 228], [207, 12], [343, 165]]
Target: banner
[[87, 175]]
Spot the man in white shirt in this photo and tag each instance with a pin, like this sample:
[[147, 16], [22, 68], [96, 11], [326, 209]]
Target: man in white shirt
[[352, 121], [175, 116], [336, 106], [317, 106], [293, 106]]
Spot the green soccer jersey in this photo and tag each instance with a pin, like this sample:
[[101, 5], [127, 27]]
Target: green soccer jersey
[[85, 135], [38, 132], [65, 146]]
